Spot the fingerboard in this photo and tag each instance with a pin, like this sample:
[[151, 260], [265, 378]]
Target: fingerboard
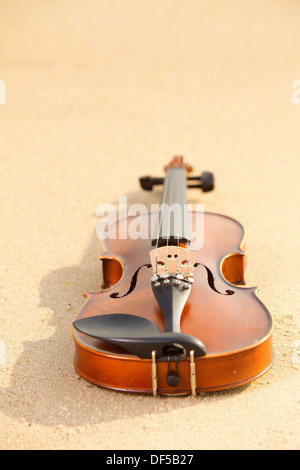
[[173, 222]]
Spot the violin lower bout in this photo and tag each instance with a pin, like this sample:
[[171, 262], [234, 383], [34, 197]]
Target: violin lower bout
[[213, 372]]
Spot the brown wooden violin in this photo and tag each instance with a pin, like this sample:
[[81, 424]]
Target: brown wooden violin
[[173, 316]]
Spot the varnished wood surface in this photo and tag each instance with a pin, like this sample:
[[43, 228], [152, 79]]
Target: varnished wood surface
[[231, 321]]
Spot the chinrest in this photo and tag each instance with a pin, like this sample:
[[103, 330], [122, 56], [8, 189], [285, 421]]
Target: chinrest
[[137, 335]]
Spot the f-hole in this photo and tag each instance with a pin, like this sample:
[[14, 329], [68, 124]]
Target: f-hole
[[211, 281], [116, 295]]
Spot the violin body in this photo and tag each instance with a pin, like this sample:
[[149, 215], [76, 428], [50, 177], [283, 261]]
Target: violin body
[[230, 320]]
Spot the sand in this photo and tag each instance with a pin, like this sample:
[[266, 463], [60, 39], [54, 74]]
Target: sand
[[98, 94]]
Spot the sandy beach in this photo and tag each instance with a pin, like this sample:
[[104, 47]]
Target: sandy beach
[[93, 96]]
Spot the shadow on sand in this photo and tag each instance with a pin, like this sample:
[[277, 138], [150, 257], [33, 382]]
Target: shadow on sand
[[44, 387]]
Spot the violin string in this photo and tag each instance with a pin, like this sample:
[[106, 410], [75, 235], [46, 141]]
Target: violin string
[[177, 270], [167, 257], [159, 227], [156, 261], [188, 264], [157, 237], [168, 234]]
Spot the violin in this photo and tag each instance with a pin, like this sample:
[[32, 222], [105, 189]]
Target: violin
[[173, 315]]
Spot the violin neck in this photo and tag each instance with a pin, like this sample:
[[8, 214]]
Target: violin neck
[[173, 224]]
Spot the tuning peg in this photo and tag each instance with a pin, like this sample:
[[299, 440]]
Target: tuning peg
[[206, 181], [147, 182]]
